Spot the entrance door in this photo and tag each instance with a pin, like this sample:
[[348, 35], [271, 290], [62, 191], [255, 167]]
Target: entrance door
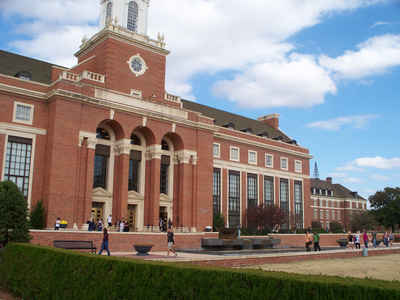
[[164, 218], [132, 217], [97, 211]]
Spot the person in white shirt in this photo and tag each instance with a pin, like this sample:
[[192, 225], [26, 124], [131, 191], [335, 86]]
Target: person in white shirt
[[57, 226], [121, 226], [109, 221]]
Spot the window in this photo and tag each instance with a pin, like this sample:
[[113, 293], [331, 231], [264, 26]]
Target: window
[[315, 202], [284, 201], [164, 173], [103, 134], [18, 162], [252, 191], [234, 199], [133, 12], [134, 170], [235, 154], [109, 12], [315, 214], [298, 166], [23, 113], [252, 157], [217, 192], [284, 163], [268, 191], [269, 160], [298, 203], [164, 145], [101, 157], [25, 75], [135, 140], [333, 215], [217, 150]]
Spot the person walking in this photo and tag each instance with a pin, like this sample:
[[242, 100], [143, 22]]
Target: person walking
[[308, 241], [104, 243], [316, 239], [171, 242], [350, 239], [374, 238], [391, 239], [386, 239], [58, 224], [121, 226], [357, 240], [109, 221], [365, 239]]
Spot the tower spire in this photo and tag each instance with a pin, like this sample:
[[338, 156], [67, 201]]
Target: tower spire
[[316, 172]]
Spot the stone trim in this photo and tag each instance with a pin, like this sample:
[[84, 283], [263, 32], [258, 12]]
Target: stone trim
[[186, 157], [22, 91], [8, 128]]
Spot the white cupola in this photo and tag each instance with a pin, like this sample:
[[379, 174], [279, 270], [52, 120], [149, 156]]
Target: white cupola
[[130, 14]]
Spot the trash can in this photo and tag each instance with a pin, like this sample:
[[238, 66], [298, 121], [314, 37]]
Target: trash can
[[365, 252]]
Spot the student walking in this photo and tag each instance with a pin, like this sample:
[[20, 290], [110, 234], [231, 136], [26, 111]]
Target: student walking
[[308, 241], [58, 224], [316, 239], [350, 238], [374, 238], [171, 242], [357, 240], [104, 243], [386, 239], [365, 239]]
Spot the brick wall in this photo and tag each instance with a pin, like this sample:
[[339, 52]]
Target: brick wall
[[298, 240], [121, 241]]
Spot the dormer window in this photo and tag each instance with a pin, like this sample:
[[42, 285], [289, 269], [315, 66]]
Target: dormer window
[[229, 125], [247, 130], [25, 75], [133, 13]]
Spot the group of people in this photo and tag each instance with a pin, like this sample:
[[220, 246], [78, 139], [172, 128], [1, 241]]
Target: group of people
[[368, 238], [311, 239], [120, 225], [164, 224], [60, 224]]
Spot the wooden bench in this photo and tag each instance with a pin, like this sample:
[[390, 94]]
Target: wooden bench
[[75, 245]]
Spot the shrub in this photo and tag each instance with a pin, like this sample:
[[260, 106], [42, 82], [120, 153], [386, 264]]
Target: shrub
[[218, 222], [13, 214], [336, 227], [34, 272], [37, 217]]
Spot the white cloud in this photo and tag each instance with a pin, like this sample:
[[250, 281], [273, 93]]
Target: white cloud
[[349, 167], [379, 177], [376, 24], [337, 175], [376, 55], [336, 124], [205, 37], [352, 180], [290, 82], [378, 162]]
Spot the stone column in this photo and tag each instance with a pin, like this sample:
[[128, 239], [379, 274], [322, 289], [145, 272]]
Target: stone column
[[121, 179], [152, 196]]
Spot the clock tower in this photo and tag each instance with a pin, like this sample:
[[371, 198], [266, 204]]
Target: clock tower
[[131, 61]]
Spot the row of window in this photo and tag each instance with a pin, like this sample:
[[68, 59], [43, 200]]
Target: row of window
[[252, 196], [334, 215], [234, 155], [322, 192]]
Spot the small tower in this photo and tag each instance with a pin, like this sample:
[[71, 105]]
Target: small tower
[[129, 14], [316, 172]]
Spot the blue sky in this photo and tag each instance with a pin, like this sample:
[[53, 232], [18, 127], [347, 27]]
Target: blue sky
[[331, 68]]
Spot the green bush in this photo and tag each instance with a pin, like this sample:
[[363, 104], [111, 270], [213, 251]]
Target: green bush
[[335, 227], [34, 272], [218, 222], [37, 216]]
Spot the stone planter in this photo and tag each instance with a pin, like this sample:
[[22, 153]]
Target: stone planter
[[142, 250], [342, 242]]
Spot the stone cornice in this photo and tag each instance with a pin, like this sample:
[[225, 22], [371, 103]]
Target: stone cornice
[[260, 145], [22, 91], [186, 157], [6, 128]]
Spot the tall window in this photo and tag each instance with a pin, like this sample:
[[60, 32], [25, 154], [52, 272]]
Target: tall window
[[216, 150], [134, 170], [133, 12], [268, 191], [109, 12], [284, 201], [234, 199], [101, 157], [252, 197], [164, 173], [217, 191], [18, 162], [298, 203]]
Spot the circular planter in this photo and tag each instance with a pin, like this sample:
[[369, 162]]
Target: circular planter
[[342, 243], [142, 250]]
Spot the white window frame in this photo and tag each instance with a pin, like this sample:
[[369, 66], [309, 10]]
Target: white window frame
[[230, 153], [255, 156], [28, 122], [298, 163], [219, 150], [272, 160], [287, 163]]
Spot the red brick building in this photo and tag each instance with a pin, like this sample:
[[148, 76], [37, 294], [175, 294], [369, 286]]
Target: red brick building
[[105, 138]]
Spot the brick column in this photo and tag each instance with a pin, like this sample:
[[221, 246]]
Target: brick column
[[121, 180], [152, 196]]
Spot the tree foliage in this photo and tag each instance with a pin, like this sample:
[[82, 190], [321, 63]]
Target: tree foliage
[[335, 227], [218, 222], [386, 206], [37, 216], [363, 220], [264, 218], [13, 214]]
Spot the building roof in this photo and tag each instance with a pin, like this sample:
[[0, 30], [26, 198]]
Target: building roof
[[223, 118], [339, 190], [11, 64]]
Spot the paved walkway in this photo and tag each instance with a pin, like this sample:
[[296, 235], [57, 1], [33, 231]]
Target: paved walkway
[[256, 259]]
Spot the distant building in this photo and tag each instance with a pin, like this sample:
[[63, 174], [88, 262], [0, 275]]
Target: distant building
[[334, 202]]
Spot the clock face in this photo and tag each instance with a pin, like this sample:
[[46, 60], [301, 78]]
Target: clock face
[[137, 65]]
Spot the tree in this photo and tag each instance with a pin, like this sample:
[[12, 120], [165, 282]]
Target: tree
[[386, 207], [363, 220], [264, 218], [37, 217], [218, 222], [335, 227], [13, 214]]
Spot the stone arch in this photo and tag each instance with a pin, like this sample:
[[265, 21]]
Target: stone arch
[[145, 133], [175, 139], [115, 126]]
